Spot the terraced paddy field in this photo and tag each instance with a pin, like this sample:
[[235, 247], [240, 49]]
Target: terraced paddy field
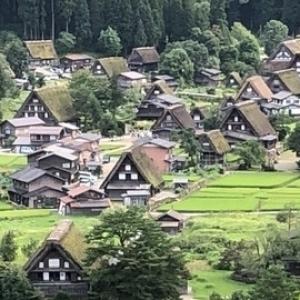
[[244, 191]]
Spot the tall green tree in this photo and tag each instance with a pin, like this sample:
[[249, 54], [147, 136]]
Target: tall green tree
[[65, 43], [8, 247], [66, 9], [250, 153], [134, 259], [189, 143], [16, 55], [7, 85], [178, 64], [274, 284], [201, 13], [218, 12], [140, 38], [109, 42], [82, 23], [14, 285], [274, 32], [294, 140]]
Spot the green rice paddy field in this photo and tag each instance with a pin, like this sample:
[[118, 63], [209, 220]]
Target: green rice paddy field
[[244, 191]]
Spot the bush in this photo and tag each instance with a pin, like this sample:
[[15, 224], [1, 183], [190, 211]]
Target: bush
[[283, 217]]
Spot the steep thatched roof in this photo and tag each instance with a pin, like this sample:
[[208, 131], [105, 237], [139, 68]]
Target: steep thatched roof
[[254, 116], [258, 85], [217, 141], [290, 79], [113, 66], [58, 100], [161, 86], [147, 54], [67, 239], [143, 164], [41, 49], [292, 45], [180, 116]]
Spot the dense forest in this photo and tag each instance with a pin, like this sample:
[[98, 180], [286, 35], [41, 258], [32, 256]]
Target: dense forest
[[139, 22]]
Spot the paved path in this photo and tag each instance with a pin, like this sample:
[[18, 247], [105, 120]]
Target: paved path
[[287, 161]]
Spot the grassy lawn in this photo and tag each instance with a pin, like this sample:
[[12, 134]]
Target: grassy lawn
[[111, 146], [35, 224], [5, 206], [243, 191], [12, 161], [191, 177], [206, 282], [10, 106], [255, 179]]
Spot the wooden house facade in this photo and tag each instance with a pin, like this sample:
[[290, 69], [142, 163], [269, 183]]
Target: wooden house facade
[[234, 80], [56, 267], [245, 121], [14, 128], [75, 61], [36, 188], [170, 222], [52, 104], [132, 79], [208, 77], [199, 114], [174, 119], [213, 147], [133, 180], [83, 200], [285, 56], [144, 59]]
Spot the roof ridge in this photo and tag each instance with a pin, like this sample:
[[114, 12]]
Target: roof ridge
[[60, 231]]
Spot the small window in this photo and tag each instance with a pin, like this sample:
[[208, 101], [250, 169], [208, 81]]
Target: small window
[[54, 263], [52, 138], [46, 115], [62, 276], [243, 127], [229, 127], [249, 89], [35, 100], [66, 165], [134, 176], [127, 167], [46, 276], [169, 118], [236, 119], [7, 131], [41, 265], [66, 265], [197, 118], [122, 176]]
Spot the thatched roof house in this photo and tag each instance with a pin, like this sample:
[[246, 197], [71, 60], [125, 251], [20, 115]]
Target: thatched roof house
[[134, 172], [110, 66], [42, 50], [57, 265], [285, 80], [254, 87], [143, 59], [53, 104]]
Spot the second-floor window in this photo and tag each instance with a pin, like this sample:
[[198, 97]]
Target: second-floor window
[[127, 167], [122, 176], [66, 165], [54, 263]]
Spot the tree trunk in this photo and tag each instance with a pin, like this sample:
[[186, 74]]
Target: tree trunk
[[67, 26], [53, 20]]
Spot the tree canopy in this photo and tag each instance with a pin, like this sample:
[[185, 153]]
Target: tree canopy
[[134, 259]]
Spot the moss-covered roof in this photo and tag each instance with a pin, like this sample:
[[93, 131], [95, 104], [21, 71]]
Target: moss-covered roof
[[41, 49], [68, 240], [143, 164], [290, 79], [58, 100], [217, 141], [113, 66]]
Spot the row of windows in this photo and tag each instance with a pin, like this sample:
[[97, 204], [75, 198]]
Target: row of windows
[[124, 176], [54, 263], [243, 127], [35, 114]]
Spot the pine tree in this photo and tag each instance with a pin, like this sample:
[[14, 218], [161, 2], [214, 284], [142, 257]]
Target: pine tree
[[218, 12], [147, 19], [82, 23], [109, 42], [140, 38], [8, 247]]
